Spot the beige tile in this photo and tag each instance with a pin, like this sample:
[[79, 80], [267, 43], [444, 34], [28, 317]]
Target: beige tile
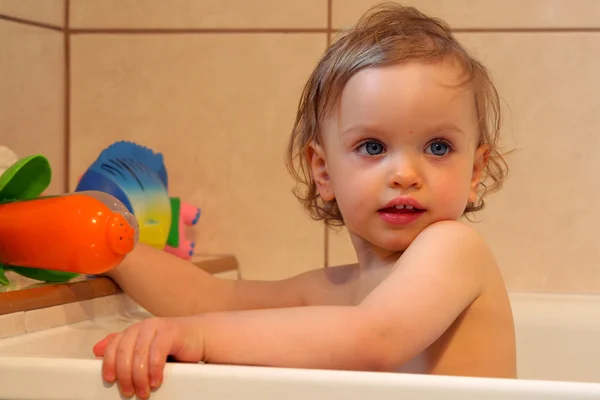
[[198, 14], [220, 108], [543, 225], [32, 94], [12, 324], [50, 12], [488, 13]]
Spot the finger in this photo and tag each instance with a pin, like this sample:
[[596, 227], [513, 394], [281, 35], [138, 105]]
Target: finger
[[141, 379], [159, 350], [108, 364], [123, 360], [100, 347]]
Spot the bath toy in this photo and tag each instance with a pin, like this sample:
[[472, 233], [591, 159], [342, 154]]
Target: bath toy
[[137, 176], [57, 238]]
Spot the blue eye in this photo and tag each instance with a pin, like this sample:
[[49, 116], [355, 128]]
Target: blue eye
[[372, 148], [438, 148]]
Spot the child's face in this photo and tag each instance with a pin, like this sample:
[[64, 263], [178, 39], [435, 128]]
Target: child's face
[[405, 133]]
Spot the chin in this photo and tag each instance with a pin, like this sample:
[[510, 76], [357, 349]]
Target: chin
[[400, 238], [394, 244]]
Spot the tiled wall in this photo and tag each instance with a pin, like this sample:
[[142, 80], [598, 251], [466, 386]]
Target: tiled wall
[[32, 83], [213, 84]]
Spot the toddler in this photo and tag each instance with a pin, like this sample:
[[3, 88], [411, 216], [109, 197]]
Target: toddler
[[396, 139]]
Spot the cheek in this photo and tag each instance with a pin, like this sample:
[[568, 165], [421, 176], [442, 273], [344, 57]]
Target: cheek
[[348, 198], [453, 189], [352, 188]]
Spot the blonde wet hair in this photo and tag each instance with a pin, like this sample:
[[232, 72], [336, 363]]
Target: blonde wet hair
[[388, 34]]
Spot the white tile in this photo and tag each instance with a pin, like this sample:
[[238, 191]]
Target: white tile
[[51, 317], [12, 324]]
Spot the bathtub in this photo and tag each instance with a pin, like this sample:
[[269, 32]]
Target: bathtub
[[558, 358], [558, 336]]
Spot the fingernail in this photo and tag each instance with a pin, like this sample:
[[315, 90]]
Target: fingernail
[[142, 393], [109, 377], [127, 392], [154, 383]]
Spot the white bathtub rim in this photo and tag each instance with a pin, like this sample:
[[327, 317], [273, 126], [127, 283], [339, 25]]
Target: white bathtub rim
[[55, 374]]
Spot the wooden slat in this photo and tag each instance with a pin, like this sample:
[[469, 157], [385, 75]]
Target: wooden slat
[[48, 295]]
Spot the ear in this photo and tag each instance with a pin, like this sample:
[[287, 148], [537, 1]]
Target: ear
[[315, 154], [482, 155]]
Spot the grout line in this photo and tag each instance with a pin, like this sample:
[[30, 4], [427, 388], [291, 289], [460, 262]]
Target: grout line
[[329, 30], [23, 21], [171, 31], [67, 96], [329, 20]]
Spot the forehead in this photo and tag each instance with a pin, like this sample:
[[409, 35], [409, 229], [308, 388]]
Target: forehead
[[411, 95]]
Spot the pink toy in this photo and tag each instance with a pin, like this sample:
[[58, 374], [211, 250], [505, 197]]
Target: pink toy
[[188, 217]]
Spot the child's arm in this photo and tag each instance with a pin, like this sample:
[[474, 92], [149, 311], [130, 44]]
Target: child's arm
[[434, 281], [166, 285]]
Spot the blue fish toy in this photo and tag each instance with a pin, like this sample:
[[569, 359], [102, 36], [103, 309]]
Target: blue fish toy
[[137, 176]]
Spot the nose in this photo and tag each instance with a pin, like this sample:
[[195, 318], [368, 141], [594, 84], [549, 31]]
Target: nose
[[404, 174]]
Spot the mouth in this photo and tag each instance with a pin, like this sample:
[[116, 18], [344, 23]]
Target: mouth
[[402, 209]]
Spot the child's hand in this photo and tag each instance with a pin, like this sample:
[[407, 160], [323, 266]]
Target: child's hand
[[136, 357]]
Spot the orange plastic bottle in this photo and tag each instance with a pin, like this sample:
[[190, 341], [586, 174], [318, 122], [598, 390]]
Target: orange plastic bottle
[[81, 232]]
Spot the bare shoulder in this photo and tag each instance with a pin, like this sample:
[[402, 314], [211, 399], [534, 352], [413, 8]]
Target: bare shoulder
[[452, 233], [451, 245]]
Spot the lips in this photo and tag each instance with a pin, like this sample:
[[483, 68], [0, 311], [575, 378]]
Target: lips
[[403, 204], [401, 211], [402, 208]]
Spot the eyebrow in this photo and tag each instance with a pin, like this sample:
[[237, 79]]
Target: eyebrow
[[445, 127], [360, 128], [441, 127]]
